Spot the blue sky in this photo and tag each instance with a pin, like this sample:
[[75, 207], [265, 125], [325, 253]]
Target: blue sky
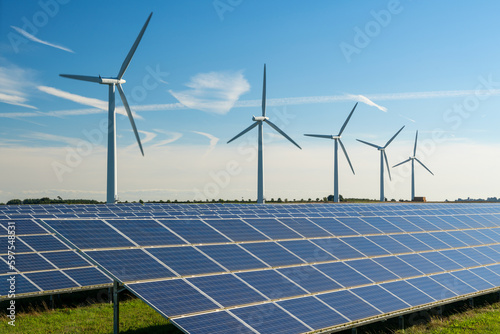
[[196, 80]]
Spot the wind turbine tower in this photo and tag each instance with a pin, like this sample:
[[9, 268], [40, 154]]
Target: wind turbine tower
[[337, 140], [115, 82], [383, 156], [259, 121], [413, 159]]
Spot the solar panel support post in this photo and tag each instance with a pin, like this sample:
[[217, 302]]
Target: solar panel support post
[[116, 308], [471, 302], [401, 322], [354, 330]]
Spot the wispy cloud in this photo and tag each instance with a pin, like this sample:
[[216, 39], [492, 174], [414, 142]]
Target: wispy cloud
[[173, 136], [215, 92], [88, 101], [37, 40], [365, 100], [270, 102], [213, 141], [53, 138], [14, 82]]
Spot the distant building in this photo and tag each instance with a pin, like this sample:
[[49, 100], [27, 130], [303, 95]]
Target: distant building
[[419, 199]]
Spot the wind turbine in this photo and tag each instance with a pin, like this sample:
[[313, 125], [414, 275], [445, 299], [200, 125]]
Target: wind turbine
[[383, 157], [112, 82], [259, 121], [412, 159], [335, 157]]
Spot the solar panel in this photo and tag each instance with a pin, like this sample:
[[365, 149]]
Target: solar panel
[[217, 268]]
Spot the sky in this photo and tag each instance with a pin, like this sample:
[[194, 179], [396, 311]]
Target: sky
[[195, 82]]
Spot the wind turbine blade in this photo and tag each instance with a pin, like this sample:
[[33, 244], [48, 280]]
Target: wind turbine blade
[[127, 60], [399, 164], [130, 117], [244, 131], [345, 152], [81, 77], [397, 133], [420, 162], [367, 143], [319, 136], [281, 132], [387, 164], [415, 147], [347, 120], [264, 94]]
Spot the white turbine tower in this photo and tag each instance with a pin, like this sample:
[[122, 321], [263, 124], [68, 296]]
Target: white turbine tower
[[335, 156], [383, 157], [112, 82], [412, 159], [259, 121]]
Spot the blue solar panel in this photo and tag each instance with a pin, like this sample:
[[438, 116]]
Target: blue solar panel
[[411, 242], [272, 254], [269, 318], [31, 262], [88, 276], [313, 312], [44, 243], [103, 236], [51, 280], [453, 284], [420, 263], [232, 257], [219, 322], [236, 229], [273, 228], [305, 227], [343, 274], [227, 290], [334, 226], [408, 293], [146, 232], [173, 297], [271, 284], [66, 259], [365, 246], [380, 298], [141, 265], [359, 226], [20, 285], [186, 260], [349, 305], [195, 231], [389, 244], [431, 288], [310, 279], [372, 269], [337, 248], [307, 251], [397, 266]]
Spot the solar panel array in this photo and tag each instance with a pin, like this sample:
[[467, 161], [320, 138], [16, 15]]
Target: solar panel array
[[41, 263], [292, 268]]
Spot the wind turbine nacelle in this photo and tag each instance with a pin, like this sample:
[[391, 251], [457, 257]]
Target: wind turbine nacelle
[[111, 81], [260, 118]]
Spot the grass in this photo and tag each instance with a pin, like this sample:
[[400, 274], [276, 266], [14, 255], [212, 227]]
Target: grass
[[138, 318], [135, 318]]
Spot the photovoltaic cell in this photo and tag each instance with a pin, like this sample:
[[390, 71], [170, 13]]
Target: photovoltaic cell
[[273, 228], [365, 246], [272, 254], [51, 280], [397, 266], [186, 260], [173, 297], [20, 285], [88, 276], [236, 229], [307, 250], [338, 248], [218, 322], [372, 269], [271, 284], [304, 227], [232, 257], [349, 305], [227, 290], [310, 279], [195, 231], [313, 312], [343, 274], [408, 293], [146, 232], [380, 298], [140, 265], [268, 318], [333, 226], [66, 259]]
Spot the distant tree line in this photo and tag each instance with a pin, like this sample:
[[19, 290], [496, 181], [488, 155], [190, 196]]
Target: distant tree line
[[47, 200]]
